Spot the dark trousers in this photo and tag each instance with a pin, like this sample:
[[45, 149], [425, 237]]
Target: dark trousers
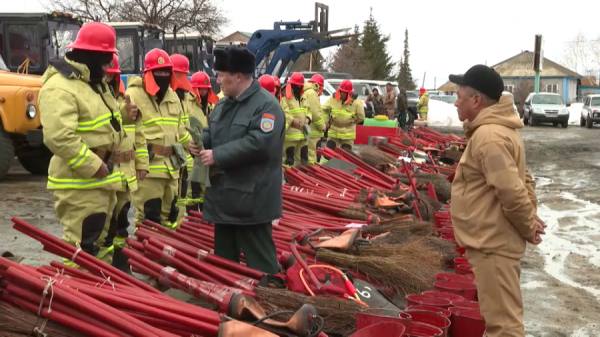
[[256, 241], [402, 119]]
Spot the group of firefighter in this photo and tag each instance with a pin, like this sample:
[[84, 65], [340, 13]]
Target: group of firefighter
[[308, 123], [116, 148]]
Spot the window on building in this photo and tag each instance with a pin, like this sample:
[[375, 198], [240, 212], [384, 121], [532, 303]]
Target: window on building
[[24, 43], [509, 88], [553, 88]]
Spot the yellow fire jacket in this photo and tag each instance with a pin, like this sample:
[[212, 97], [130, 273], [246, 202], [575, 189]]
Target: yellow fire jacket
[[82, 127], [318, 123], [294, 109], [344, 117], [163, 128]]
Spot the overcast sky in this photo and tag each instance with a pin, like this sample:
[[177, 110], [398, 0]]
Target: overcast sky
[[444, 36]]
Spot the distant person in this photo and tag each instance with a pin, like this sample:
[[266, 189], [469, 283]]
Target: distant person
[[402, 108], [377, 101], [389, 101], [423, 105], [493, 208]]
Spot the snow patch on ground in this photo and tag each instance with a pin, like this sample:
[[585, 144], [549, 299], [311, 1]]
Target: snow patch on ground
[[575, 113], [533, 285], [555, 249], [442, 114]]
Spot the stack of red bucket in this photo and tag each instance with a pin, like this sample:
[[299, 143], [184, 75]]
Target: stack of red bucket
[[451, 310]]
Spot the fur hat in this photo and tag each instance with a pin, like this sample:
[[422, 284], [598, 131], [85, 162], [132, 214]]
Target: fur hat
[[234, 60]]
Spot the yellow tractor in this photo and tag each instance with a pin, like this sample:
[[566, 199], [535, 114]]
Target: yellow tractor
[[28, 43]]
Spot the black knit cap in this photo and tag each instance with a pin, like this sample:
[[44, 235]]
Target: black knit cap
[[234, 60], [483, 79]]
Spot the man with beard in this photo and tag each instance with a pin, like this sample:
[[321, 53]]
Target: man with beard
[[243, 145], [133, 145], [166, 137], [82, 128]]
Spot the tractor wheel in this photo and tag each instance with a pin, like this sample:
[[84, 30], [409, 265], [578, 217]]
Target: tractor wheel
[[36, 162], [7, 153]]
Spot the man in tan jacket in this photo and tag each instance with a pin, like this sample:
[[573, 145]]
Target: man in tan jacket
[[389, 101], [493, 212]]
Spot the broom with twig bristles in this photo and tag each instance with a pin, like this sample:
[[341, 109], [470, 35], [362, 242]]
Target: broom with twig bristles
[[375, 157], [446, 249], [440, 183], [18, 322], [392, 148], [339, 315], [411, 274]]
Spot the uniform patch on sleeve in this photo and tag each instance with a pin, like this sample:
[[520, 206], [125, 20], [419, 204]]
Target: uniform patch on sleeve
[[267, 123]]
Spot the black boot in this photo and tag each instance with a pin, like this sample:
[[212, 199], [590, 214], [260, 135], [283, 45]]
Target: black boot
[[120, 261]]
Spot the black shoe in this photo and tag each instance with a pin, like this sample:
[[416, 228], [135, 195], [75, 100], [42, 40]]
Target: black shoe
[[120, 261]]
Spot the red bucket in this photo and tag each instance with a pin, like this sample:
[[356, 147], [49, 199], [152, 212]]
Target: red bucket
[[474, 305], [461, 250], [439, 320], [439, 217], [452, 277], [381, 329], [418, 329], [464, 269], [466, 290], [431, 308], [427, 300], [460, 260], [466, 323], [364, 319], [447, 296]]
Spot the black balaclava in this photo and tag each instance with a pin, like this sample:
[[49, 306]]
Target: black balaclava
[[163, 83], [94, 61], [204, 100], [342, 94], [180, 93], [297, 90], [114, 84]]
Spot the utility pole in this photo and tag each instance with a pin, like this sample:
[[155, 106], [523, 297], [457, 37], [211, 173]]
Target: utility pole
[[538, 61], [434, 83], [424, 75]]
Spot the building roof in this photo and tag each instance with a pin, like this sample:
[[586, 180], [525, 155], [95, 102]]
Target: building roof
[[589, 81], [448, 86], [249, 35], [235, 37], [521, 65]]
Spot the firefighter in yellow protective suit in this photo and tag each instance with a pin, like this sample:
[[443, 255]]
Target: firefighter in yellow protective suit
[[345, 113], [133, 145], [181, 69], [423, 105], [82, 128], [312, 91], [166, 139], [297, 118], [204, 103]]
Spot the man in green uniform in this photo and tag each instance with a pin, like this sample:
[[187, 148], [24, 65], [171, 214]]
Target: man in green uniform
[[243, 148]]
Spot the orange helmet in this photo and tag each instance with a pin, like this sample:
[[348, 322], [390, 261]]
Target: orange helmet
[[318, 79], [114, 67], [346, 86], [181, 63], [96, 36], [156, 59], [201, 80], [297, 79], [268, 83], [277, 82]]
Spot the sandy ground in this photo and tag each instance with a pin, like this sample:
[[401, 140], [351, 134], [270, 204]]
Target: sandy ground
[[560, 277]]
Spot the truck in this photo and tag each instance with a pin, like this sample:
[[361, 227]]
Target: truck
[[28, 43]]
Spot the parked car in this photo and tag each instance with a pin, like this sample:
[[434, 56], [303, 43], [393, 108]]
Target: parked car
[[444, 98], [545, 108], [362, 88], [590, 113]]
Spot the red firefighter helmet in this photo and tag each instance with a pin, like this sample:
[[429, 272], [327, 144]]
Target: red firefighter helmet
[[114, 67], [156, 59], [268, 83], [297, 79], [422, 91], [346, 86], [200, 80], [96, 36], [318, 79], [277, 82], [181, 64]]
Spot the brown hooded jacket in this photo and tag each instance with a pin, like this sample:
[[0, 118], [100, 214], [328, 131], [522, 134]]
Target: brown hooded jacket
[[491, 207]]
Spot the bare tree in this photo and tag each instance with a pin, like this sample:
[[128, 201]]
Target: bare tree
[[203, 16], [520, 92], [583, 55]]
